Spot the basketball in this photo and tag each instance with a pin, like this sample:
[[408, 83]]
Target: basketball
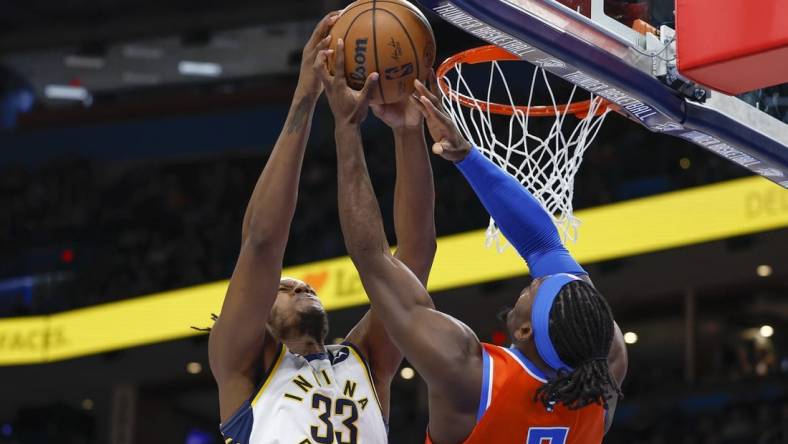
[[390, 37]]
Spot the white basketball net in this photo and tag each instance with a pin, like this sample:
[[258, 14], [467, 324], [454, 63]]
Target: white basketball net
[[545, 165]]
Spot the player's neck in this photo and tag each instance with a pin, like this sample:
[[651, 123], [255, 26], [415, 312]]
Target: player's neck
[[304, 345], [529, 350]]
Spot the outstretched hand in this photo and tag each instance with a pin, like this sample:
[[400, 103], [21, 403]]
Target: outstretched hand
[[349, 106], [448, 141], [404, 114], [308, 82]]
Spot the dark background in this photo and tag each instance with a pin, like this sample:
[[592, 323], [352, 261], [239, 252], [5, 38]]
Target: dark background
[[141, 188]]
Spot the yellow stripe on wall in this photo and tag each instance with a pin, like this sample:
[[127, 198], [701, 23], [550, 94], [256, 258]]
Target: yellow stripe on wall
[[639, 226]]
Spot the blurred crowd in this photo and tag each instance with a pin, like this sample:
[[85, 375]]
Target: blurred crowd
[[132, 229], [752, 422], [91, 232]]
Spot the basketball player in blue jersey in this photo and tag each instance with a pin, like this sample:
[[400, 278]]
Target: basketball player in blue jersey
[[559, 382], [278, 381]]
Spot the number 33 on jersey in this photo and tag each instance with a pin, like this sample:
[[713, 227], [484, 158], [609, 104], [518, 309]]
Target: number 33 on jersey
[[325, 398]]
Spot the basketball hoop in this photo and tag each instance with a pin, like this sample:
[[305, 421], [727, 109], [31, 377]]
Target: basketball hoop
[[492, 53], [545, 164]]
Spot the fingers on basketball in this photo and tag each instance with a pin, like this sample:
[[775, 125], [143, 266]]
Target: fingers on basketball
[[324, 42], [377, 109], [339, 62], [320, 68], [369, 86], [322, 28], [413, 99]]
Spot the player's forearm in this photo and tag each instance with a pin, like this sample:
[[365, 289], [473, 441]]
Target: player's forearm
[[414, 202], [271, 207], [519, 216], [362, 228], [359, 212]]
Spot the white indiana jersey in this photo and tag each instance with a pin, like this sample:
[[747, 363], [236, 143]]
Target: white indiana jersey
[[325, 398]]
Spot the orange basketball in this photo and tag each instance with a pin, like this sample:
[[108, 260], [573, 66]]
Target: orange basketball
[[390, 37]]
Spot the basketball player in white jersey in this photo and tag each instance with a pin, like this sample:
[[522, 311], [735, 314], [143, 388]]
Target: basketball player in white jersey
[[278, 381]]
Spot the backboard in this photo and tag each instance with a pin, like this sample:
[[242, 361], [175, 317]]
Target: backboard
[[635, 70]]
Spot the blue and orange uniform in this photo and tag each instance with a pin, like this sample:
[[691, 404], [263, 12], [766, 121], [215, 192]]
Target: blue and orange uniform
[[509, 413]]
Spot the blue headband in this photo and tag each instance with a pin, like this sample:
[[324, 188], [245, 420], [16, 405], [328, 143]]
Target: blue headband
[[540, 318]]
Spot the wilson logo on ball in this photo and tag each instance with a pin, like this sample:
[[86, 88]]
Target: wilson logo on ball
[[359, 74], [381, 34], [398, 72]]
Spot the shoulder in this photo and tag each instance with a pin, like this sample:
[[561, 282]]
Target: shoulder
[[512, 361], [498, 353], [497, 362], [272, 366], [273, 357]]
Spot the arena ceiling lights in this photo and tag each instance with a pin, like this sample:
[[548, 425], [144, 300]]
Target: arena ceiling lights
[[613, 231], [168, 60]]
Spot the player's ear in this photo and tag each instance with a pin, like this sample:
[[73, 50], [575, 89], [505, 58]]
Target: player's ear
[[523, 333]]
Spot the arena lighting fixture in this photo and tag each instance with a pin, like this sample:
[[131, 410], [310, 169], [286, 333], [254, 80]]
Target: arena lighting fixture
[[764, 270], [87, 62], [407, 373], [193, 368], [202, 69], [766, 331], [685, 163], [87, 404], [67, 92], [630, 337]]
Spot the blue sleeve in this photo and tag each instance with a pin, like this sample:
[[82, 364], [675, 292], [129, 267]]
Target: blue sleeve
[[519, 216]]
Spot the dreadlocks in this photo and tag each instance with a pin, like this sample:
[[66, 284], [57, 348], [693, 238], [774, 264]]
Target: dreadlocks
[[581, 329], [214, 318]]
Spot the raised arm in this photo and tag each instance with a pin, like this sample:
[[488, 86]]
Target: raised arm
[[414, 192], [414, 224], [518, 214], [238, 346], [443, 350]]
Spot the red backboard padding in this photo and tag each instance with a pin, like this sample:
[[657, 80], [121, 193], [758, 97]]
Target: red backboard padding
[[733, 46]]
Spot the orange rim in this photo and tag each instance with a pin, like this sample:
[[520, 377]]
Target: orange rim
[[491, 53]]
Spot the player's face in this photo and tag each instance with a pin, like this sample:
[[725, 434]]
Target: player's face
[[296, 303], [295, 295], [519, 318]]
